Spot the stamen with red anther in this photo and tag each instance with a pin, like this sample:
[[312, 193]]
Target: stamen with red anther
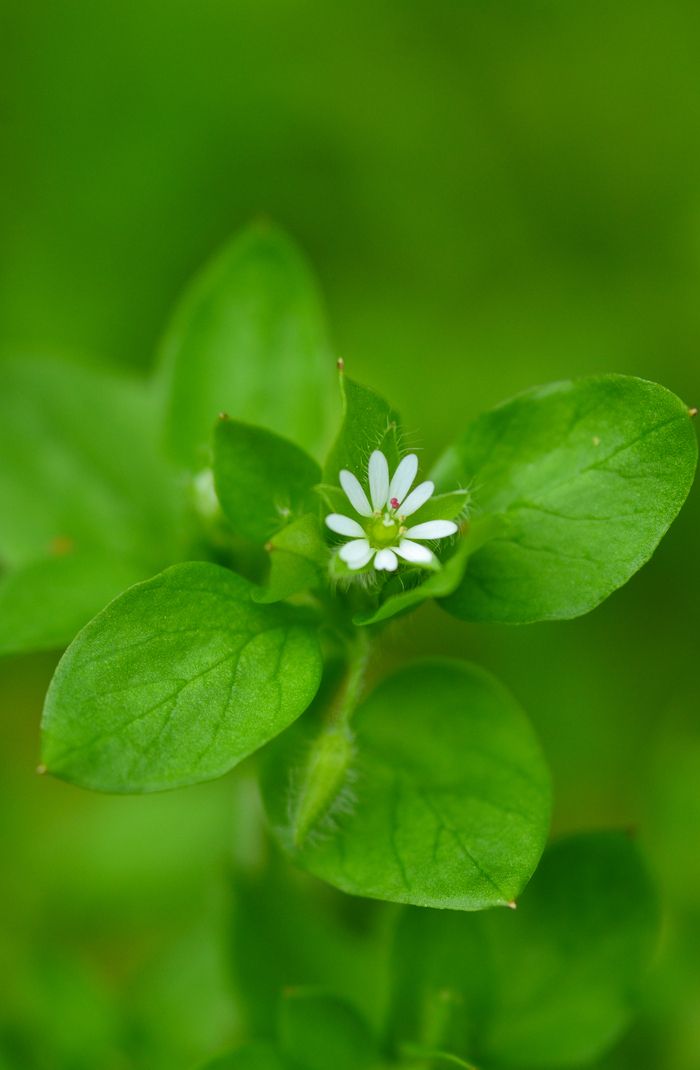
[[394, 503]]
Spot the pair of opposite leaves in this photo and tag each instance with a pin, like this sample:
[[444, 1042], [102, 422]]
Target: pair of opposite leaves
[[446, 800], [184, 675]]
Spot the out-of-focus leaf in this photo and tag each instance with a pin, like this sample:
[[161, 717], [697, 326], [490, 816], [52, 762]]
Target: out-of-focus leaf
[[45, 603], [318, 1032], [248, 338], [551, 984], [80, 466], [256, 1056]]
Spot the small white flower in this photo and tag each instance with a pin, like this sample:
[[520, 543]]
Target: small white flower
[[380, 534]]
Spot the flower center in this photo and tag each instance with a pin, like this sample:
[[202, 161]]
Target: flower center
[[382, 531]]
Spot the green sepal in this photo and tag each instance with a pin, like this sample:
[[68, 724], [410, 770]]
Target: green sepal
[[368, 423], [447, 506], [298, 559]]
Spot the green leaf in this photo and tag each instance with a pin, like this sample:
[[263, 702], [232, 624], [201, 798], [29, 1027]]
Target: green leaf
[[552, 984], [445, 803], [588, 475], [314, 940], [318, 1031], [369, 423], [175, 682], [45, 603], [298, 553], [80, 467], [248, 338], [262, 481], [257, 1056]]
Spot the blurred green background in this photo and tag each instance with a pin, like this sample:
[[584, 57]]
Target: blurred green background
[[494, 194]]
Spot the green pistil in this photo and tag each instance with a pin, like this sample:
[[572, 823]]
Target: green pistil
[[382, 531]]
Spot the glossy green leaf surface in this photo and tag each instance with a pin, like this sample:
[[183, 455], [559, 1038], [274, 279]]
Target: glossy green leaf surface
[[588, 475], [175, 682], [551, 984], [262, 480], [445, 803], [248, 338]]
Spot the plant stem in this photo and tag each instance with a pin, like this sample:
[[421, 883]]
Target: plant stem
[[350, 688]]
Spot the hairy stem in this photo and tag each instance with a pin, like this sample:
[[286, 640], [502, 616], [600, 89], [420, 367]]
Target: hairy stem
[[332, 752], [350, 689]]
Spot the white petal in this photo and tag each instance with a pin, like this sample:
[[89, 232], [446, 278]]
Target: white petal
[[344, 525], [358, 498], [417, 497], [360, 562], [378, 479], [353, 550], [403, 477], [413, 551], [432, 529], [360, 555], [386, 561]]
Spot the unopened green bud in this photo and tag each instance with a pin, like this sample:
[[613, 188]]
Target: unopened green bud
[[325, 775]]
